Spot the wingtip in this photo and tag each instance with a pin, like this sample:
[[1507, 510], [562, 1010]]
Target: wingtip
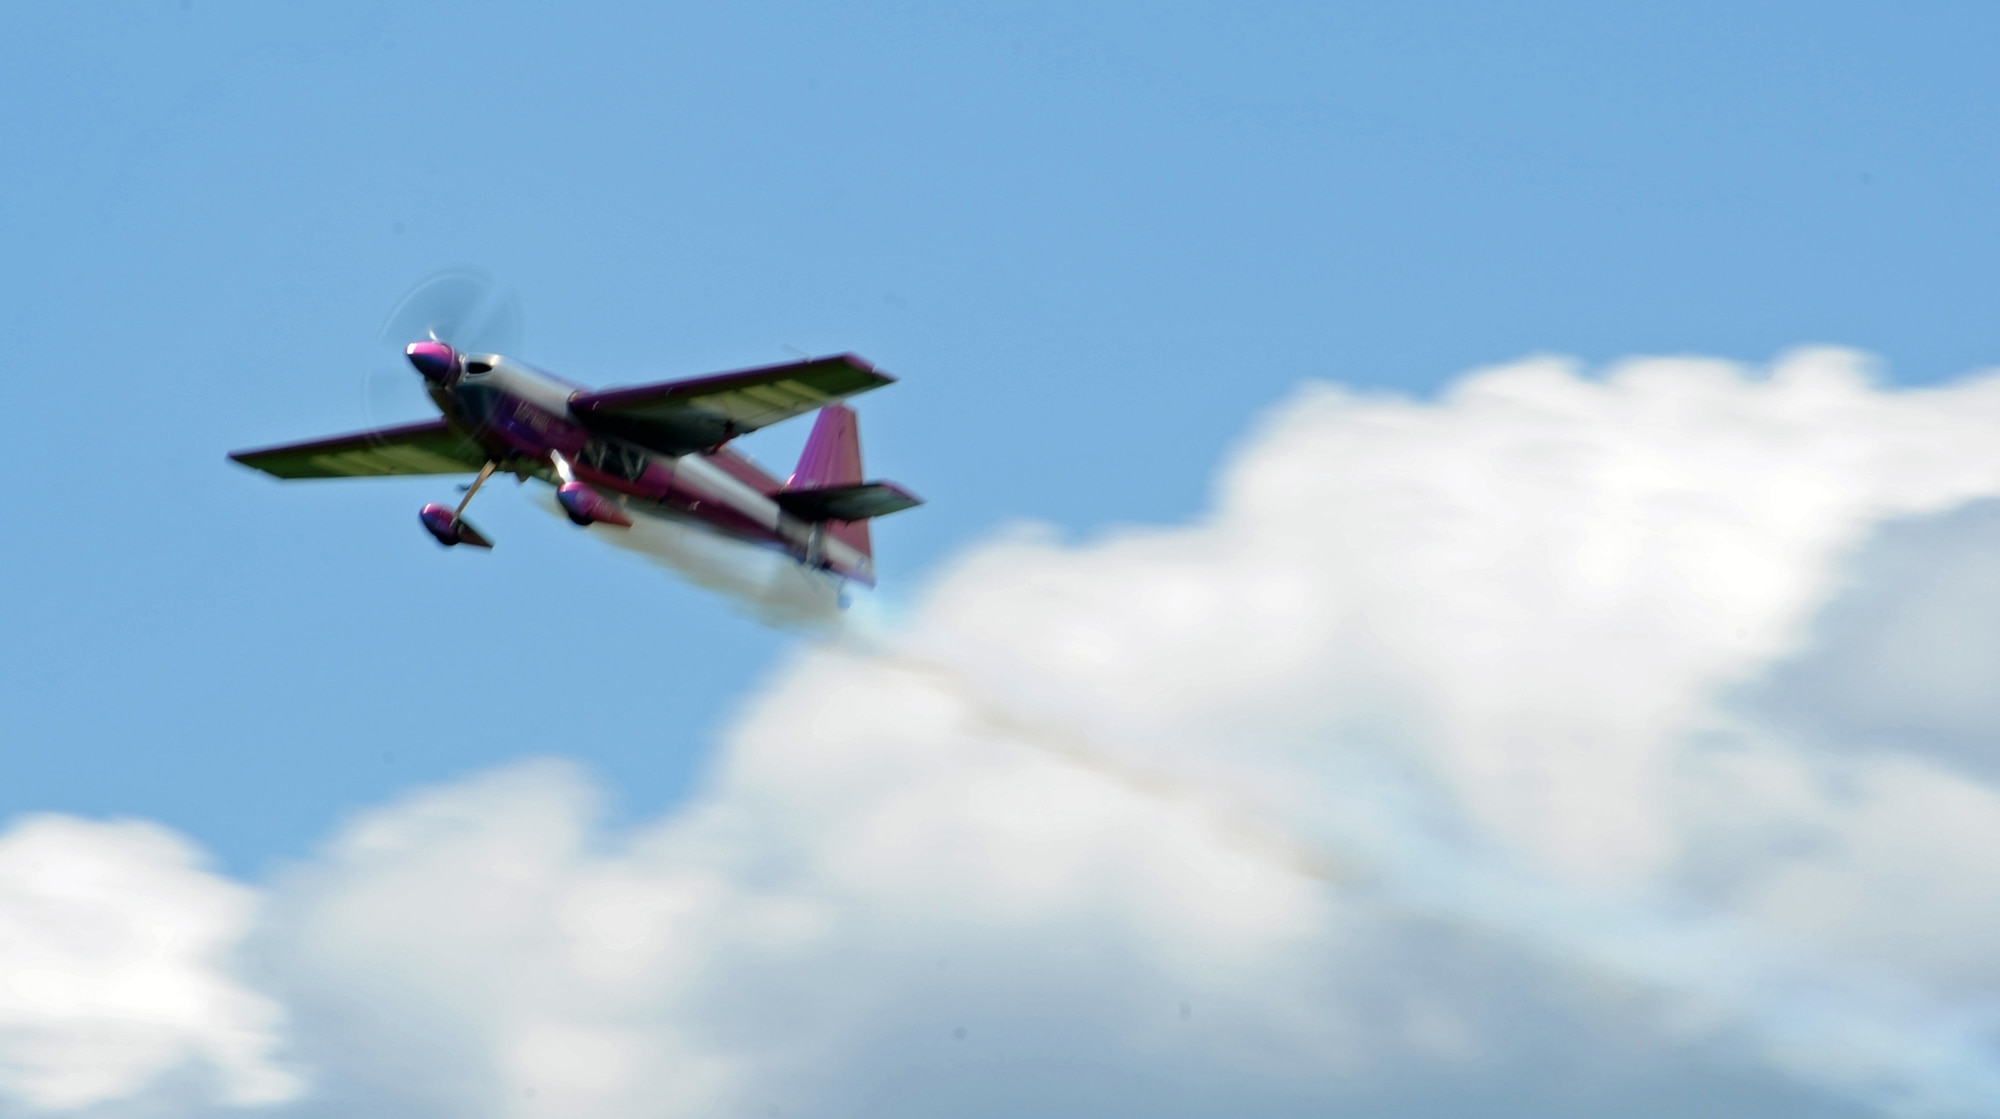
[[865, 366]]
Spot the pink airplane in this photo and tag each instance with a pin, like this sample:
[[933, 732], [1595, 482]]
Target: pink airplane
[[657, 450]]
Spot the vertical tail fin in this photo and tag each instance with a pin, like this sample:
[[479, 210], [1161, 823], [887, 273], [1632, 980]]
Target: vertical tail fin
[[833, 451], [833, 458]]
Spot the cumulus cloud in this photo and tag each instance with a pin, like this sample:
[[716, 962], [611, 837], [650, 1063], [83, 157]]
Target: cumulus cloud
[[1524, 749], [115, 968], [1909, 659]]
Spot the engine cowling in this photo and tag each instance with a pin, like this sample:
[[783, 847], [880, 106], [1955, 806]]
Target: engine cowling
[[441, 522], [586, 506], [435, 360]]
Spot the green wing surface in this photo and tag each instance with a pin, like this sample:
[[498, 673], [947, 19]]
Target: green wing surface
[[678, 417], [425, 448]]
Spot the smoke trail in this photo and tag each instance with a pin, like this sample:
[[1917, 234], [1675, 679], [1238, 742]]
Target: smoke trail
[[760, 582], [1866, 1037]]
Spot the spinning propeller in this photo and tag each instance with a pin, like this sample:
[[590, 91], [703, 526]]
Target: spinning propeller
[[447, 313], [461, 307], [444, 315]]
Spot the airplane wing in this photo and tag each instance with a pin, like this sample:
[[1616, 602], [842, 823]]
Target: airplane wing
[[425, 448], [677, 417]]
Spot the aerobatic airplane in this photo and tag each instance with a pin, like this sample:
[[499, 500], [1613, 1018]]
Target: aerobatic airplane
[[658, 450]]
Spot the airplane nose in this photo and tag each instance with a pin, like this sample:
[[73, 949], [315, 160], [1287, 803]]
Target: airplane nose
[[434, 360]]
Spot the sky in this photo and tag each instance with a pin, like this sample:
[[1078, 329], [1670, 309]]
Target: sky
[[1304, 516]]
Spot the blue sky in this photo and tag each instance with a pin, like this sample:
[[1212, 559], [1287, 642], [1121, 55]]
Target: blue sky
[[1564, 742], [1095, 242]]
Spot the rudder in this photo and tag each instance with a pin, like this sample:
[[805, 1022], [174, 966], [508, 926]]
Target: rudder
[[832, 457]]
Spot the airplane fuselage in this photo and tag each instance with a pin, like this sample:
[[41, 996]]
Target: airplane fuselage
[[521, 417]]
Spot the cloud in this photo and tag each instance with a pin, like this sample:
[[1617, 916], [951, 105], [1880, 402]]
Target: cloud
[[1909, 659], [1454, 760], [115, 969]]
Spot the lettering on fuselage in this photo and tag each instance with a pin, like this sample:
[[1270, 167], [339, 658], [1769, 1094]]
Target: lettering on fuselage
[[534, 418]]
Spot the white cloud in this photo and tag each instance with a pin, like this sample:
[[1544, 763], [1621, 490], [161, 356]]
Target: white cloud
[[115, 969], [1450, 762]]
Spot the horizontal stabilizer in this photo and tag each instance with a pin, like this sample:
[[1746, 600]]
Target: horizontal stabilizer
[[857, 502]]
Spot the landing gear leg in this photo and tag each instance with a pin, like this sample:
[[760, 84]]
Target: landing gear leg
[[485, 472], [449, 525]]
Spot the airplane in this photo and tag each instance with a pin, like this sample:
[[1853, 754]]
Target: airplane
[[656, 450]]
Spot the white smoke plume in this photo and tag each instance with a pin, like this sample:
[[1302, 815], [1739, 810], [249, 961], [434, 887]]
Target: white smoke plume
[[759, 582], [1551, 748]]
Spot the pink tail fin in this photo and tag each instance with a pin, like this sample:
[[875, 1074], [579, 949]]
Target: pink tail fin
[[833, 451], [833, 458]]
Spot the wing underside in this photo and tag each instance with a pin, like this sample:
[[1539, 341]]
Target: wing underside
[[425, 448], [679, 417]]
